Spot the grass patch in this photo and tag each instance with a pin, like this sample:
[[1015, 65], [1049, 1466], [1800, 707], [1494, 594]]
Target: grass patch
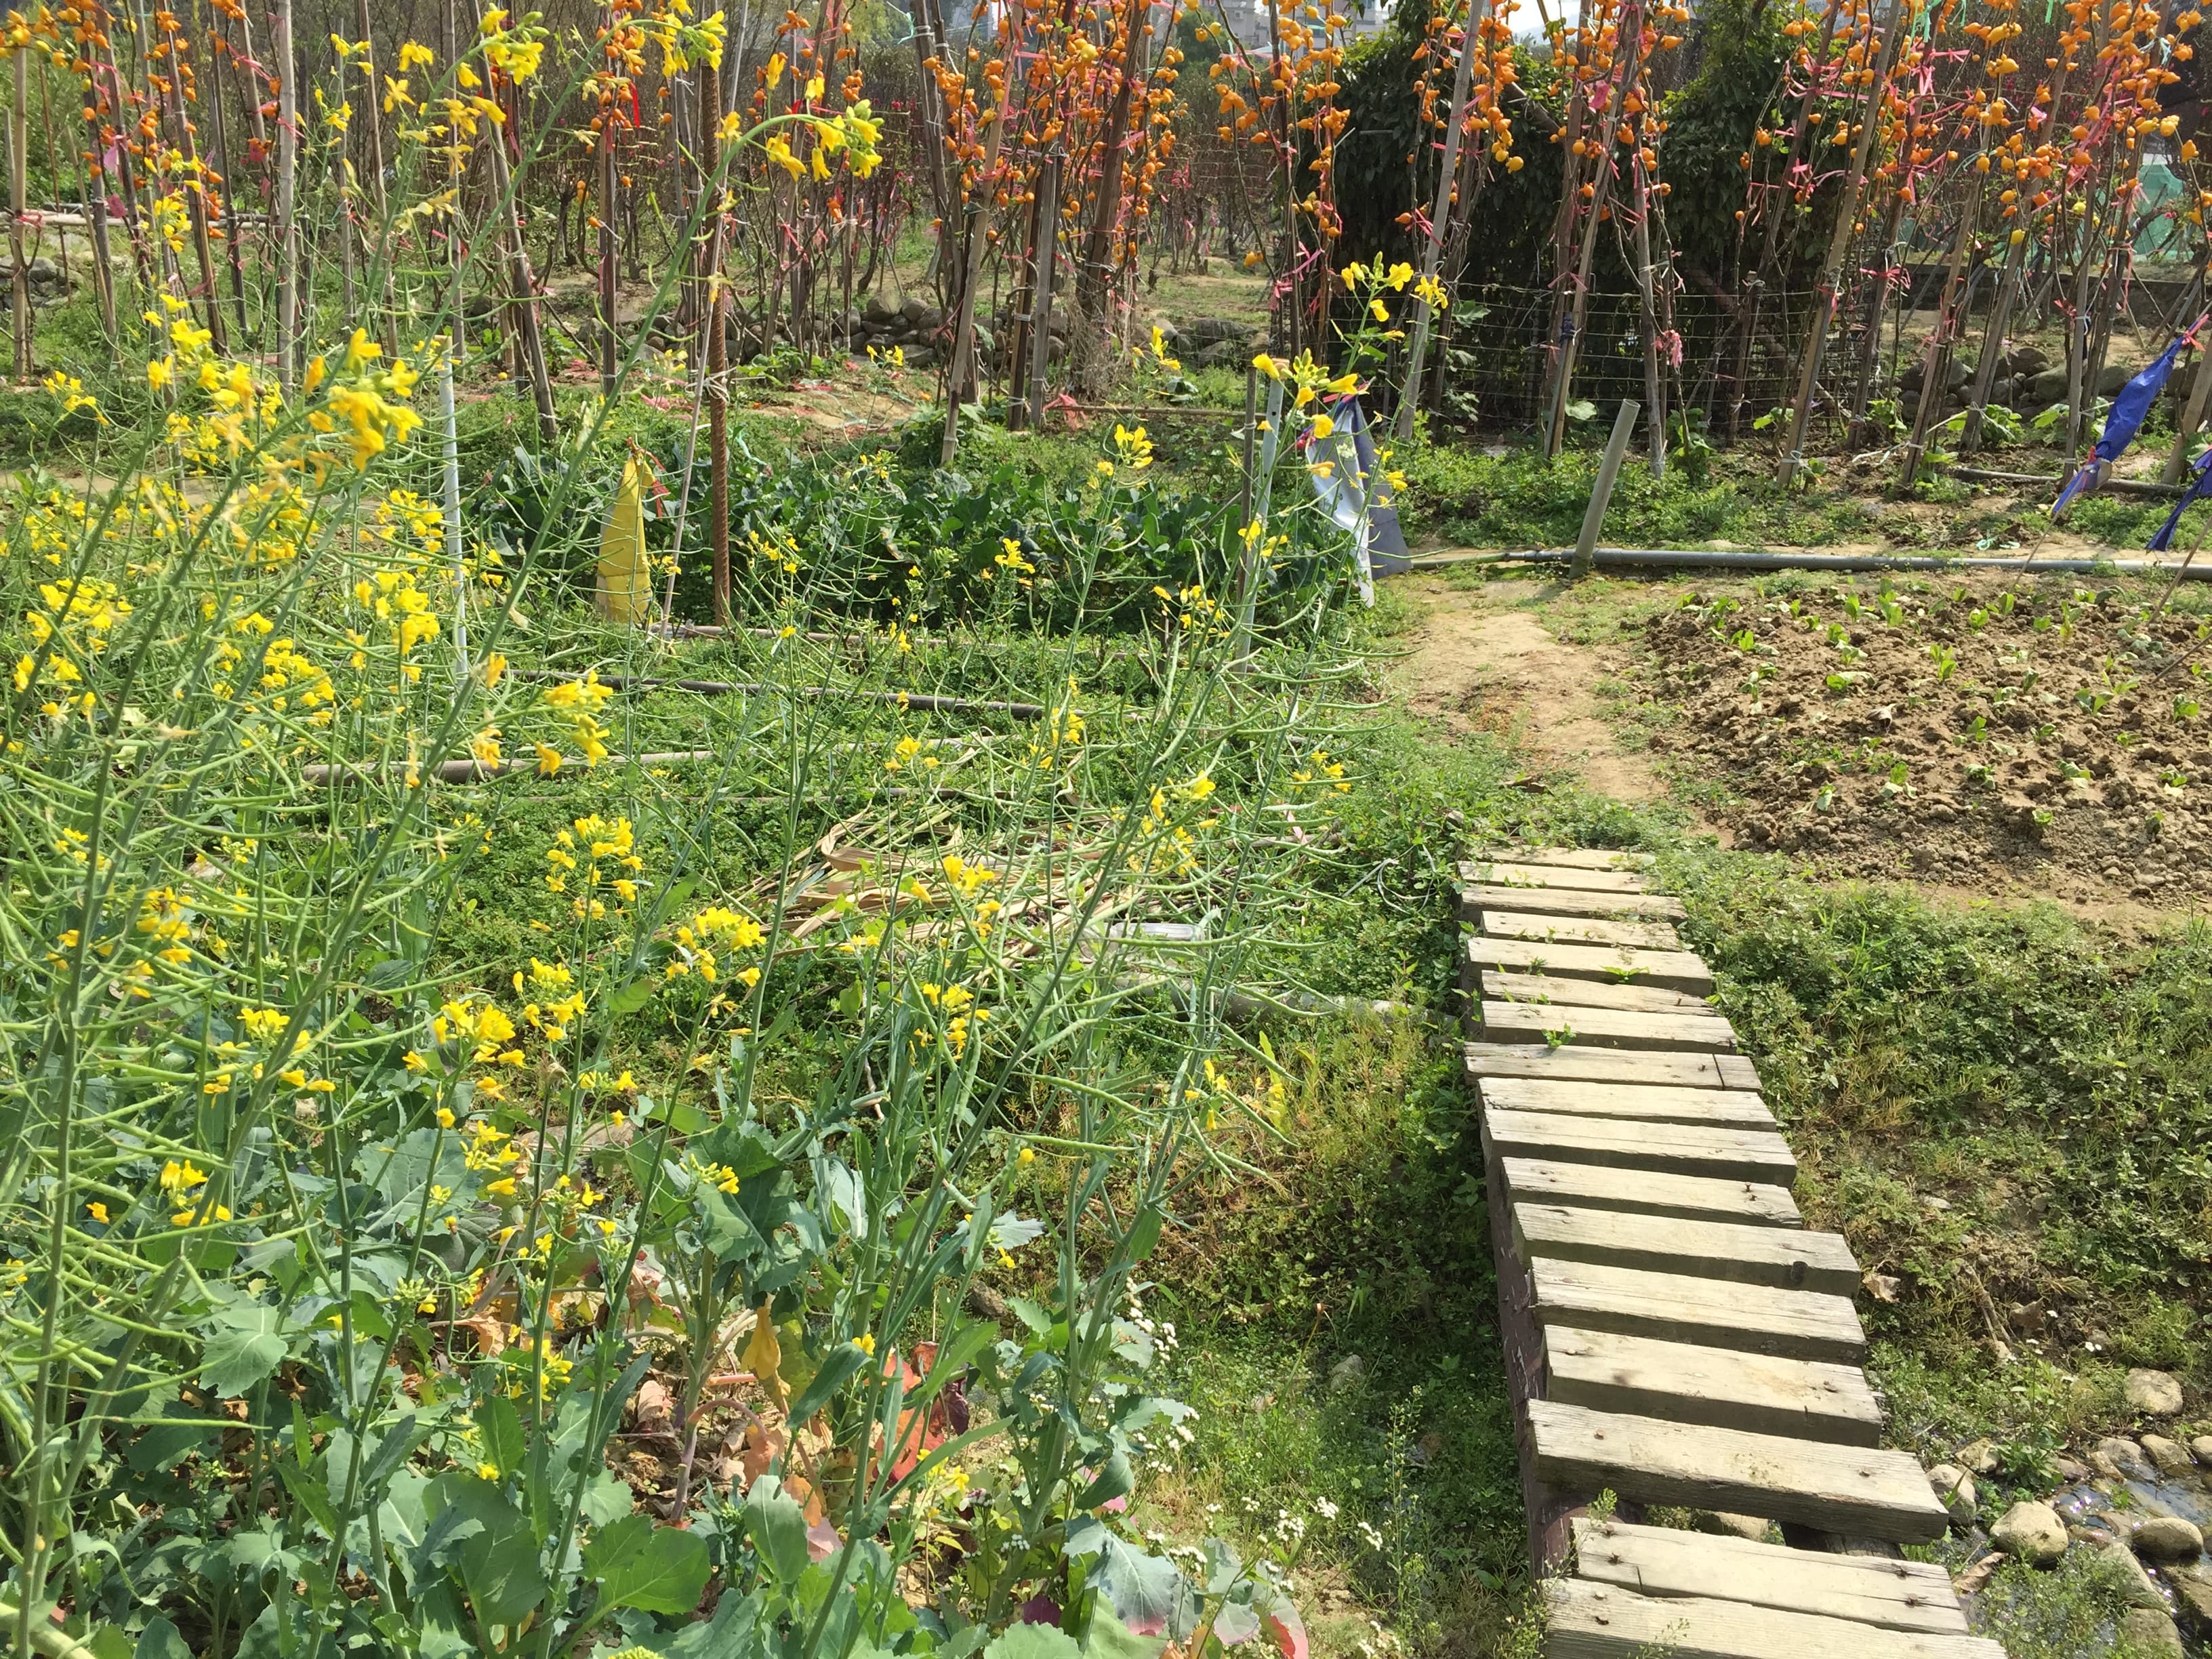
[[2005, 1112]]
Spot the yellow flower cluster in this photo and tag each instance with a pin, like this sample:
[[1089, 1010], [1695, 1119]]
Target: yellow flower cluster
[[1063, 731], [717, 926], [577, 703], [69, 627], [609, 839], [371, 401]]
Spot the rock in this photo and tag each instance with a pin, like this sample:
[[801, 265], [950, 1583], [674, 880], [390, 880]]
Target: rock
[[2124, 1456], [2149, 1629], [2047, 387], [1977, 1457], [1347, 1373], [877, 311], [1954, 1485], [2202, 1446], [2031, 1532], [2112, 377], [1722, 1524], [2192, 1591], [2027, 360], [2167, 1538], [2158, 1394], [2170, 1455], [1204, 331], [1221, 351], [2070, 1471], [2118, 1560]]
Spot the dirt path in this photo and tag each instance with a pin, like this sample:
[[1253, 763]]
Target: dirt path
[[1479, 663]]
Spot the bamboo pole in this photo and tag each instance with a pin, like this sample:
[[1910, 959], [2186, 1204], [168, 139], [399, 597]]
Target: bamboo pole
[[1655, 384], [379, 250], [1092, 275], [1993, 338], [1936, 355], [228, 197], [287, 200], [1401, 425], [716, 357], [529, 338], [1891, 255], [610, 347], [1628, 37], [1048, 251], [196, 195], [1754, 281], [19, 142], [1839, 240]]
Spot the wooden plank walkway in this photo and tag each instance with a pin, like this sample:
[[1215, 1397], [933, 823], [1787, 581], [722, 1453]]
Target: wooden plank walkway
[[1674, 1333]]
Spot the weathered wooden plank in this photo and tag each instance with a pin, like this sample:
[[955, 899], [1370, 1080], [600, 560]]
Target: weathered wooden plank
[[1586, 1620], [1567, 902], [1531, 1059], [1783, 1258], [1665, 1561], [1593, 1186], [1605, 1028], [1589, 994], [1864, 1490], [1672, 1148], [1672, 971], [1578, 930], [1567, 858], [1688, 1382], [1643, 1103], [1506, 872], [1589, 1296]]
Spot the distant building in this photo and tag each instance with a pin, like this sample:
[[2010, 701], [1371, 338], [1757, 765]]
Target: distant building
[[1247, 19]]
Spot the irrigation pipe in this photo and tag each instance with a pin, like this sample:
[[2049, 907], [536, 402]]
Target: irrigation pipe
[[1691, 558], [927, 702]]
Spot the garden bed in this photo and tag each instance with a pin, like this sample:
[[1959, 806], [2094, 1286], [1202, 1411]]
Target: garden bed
[[1974, 730]]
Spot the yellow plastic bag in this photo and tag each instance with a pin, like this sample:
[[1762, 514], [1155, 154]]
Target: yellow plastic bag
[[625, 585]]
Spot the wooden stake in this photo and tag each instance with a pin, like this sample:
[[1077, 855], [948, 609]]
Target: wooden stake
[[961, 374], [1608, 471]]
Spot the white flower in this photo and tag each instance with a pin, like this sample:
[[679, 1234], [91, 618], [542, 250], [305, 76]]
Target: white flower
[[1324, 1508]]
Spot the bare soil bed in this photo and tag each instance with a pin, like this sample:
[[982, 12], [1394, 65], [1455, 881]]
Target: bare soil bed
[[2048, 733]]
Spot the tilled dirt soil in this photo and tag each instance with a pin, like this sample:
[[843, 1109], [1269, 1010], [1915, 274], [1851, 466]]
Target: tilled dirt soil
[[2054, 735]]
